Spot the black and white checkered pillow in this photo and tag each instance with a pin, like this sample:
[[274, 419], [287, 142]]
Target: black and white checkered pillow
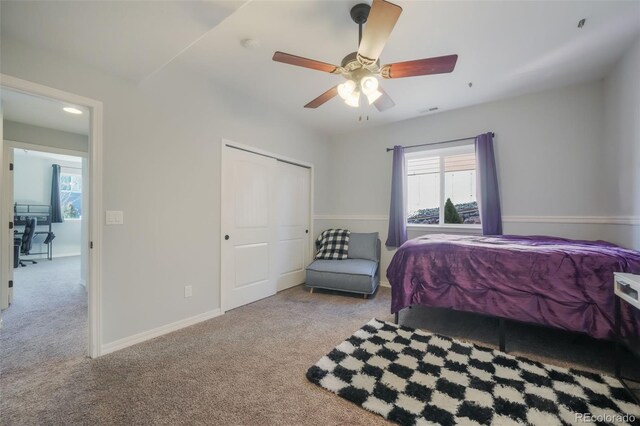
[[333, 244]]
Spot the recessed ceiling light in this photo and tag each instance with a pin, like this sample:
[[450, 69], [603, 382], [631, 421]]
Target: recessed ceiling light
[[72, 110]]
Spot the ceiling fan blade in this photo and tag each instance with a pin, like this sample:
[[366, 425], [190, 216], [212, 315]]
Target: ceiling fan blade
[[382, 18], [439, 65], [384, 102], [326, 96], [304, 62]]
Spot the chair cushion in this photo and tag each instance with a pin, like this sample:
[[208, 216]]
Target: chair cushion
[[347, 266], [353, 275], [363, 246]]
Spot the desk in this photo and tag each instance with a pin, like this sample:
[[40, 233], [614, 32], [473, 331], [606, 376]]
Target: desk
[[42, 214]]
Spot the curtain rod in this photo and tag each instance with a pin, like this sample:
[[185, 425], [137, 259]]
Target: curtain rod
[[493, 135]]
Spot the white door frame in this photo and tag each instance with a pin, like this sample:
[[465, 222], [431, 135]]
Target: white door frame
[[249, 148], [94, 272]]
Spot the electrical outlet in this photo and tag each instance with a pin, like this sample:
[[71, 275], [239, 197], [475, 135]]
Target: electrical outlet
[[188, 291]]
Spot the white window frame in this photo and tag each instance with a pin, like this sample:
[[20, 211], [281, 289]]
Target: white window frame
[[69, 170], [441, 226]]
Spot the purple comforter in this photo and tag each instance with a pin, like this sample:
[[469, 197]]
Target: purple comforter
[[551, 281]]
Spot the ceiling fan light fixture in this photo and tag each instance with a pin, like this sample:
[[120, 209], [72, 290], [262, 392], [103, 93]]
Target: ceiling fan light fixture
[[346, 89], [373, 96], [353, 100], [369, 85]]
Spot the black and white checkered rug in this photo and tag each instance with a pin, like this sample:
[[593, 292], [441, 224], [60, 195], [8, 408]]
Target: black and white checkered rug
[[414, 377]]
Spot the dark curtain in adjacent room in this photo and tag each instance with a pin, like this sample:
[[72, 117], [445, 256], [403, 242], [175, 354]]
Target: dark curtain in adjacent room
[[56, 209]]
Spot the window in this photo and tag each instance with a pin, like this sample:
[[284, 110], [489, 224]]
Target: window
[[441, 187], [71, 195]]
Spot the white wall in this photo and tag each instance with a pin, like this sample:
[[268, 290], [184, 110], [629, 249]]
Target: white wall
[[621, 151], [35, 135], [161, 167], [548, 150], [32, 185]]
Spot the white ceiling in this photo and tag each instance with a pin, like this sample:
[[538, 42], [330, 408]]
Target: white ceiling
[[129, 38], [505, 48], [43, 112]]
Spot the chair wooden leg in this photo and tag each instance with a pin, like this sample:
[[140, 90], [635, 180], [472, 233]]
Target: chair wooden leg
[[311, 290]]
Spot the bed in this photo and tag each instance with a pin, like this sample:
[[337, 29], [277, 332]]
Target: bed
[[555, 282]]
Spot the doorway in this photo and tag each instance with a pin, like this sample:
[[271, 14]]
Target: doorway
[[42, 126], [48, 299]]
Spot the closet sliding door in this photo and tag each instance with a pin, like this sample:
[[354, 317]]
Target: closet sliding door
[[265, 224], [294, 203], [248, 251]]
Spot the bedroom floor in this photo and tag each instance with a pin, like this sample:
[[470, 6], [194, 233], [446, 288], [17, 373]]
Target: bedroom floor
[[245, 367], [47, 321]]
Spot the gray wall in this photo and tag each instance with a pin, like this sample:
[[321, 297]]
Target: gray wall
[[547, 149], [27, 133], [161, 167], [621, 158]]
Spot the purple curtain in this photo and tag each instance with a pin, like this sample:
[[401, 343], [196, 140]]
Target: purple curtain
[[397, 219], [487, 184]]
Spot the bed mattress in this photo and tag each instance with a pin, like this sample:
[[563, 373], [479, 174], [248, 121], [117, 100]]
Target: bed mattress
[[556, 282]]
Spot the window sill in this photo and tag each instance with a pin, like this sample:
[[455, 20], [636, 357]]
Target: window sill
[[449, 228], [72, 219]]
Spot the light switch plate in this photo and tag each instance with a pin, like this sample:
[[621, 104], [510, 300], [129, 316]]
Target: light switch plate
[[114, 217], [188, 291]]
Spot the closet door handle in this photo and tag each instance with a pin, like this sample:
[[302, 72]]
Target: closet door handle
[[226, 237], [306, 231]]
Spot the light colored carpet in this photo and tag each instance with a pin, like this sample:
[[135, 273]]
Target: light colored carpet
[[243, 368], [47, 321]]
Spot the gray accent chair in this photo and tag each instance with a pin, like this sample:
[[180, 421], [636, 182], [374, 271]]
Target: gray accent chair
[[359, 273]]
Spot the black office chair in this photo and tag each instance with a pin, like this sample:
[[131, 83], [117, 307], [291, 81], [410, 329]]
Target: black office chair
[[17, 243], [27, 239]]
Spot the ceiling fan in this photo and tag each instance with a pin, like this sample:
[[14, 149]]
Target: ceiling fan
[[362, 68]]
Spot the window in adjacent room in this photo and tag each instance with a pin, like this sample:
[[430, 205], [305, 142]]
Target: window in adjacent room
[[71, 194], [441, 187]]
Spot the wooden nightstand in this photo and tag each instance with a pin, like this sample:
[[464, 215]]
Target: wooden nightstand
[[627, 288]]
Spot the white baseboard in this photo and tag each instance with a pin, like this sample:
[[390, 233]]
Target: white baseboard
[[385, 283], [156, 332]]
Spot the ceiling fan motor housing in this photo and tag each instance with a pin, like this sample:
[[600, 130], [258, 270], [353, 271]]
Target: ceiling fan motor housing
[[349, 59], [351, 65]]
